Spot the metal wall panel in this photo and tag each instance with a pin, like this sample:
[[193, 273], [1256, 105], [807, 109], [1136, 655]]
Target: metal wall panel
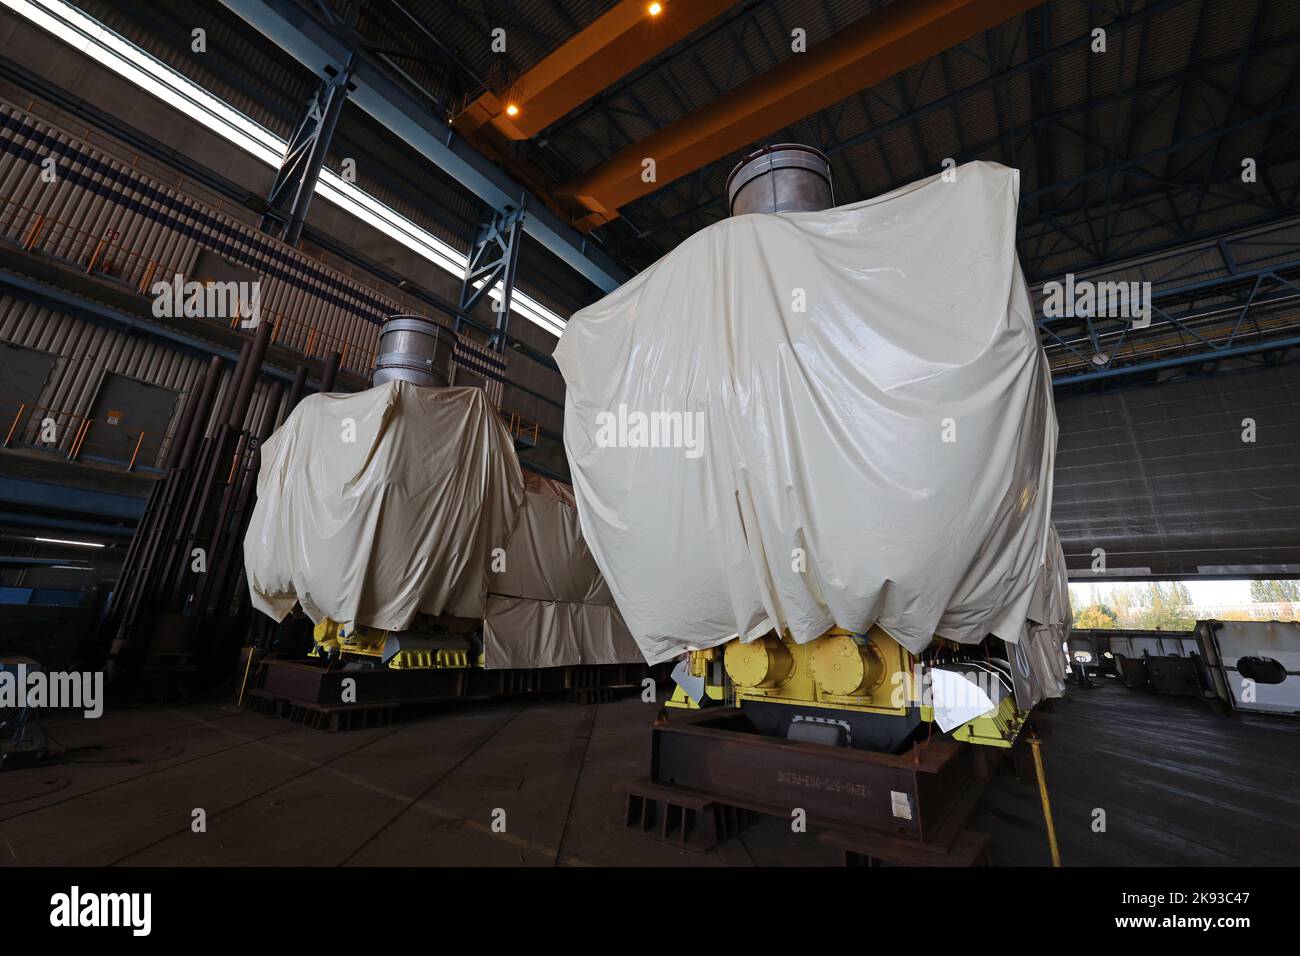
[[156, 231], [84, 352], [1161, 478], [159, 231]]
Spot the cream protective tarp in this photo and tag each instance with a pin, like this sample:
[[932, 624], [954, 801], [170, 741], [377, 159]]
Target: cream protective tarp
[[1038, 659], [550, 606], [862, 417], [377, 505]]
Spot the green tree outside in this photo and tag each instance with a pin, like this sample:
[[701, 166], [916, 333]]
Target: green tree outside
[[1096, 616], [1275, 592]]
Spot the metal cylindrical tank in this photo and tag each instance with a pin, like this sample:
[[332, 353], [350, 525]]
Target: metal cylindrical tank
[[413, 349], [786, 177]]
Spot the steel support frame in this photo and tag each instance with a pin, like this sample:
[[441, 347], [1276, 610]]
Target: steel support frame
[[592, 57], [233, 192], [293, 29], [1081, 221], [873, 48], [295, 183], [492, 261], [1233, 291]]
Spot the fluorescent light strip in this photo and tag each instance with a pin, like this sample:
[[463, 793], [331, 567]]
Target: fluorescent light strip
[[157, 78], [79, 544]]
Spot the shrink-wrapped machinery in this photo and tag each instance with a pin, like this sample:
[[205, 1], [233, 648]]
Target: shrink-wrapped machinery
[[822, 419], [379, 507], [375, 506]]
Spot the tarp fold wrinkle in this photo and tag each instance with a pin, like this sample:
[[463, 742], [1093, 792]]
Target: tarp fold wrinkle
[[379, 506], [375, 506], [551, 606], [836, 418]]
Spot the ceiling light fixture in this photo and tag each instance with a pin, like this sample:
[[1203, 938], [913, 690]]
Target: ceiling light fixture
[[655, 9], [79, 544], [148, 73], [512, 110]]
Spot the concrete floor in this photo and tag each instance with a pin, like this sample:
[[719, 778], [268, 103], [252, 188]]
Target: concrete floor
[[1179, 784]]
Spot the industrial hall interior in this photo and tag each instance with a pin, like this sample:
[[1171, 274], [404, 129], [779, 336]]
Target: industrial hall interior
[[638, 435]]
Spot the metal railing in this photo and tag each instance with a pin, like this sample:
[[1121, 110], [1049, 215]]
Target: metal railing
[[67, 434], [522, 430], [106, 255]]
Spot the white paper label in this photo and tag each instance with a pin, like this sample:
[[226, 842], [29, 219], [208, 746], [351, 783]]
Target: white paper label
[[901, 805]]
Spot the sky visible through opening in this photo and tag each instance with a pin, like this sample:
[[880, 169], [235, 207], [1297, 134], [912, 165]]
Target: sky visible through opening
[[1204, 593]]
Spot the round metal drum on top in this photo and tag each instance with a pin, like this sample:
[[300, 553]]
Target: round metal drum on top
[[413, 349], [787, 177]]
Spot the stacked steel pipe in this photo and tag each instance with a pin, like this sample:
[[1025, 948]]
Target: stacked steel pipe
[[179, 590]]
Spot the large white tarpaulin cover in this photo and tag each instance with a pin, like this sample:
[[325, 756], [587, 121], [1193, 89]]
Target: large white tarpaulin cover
[[375, 506], [1038, 659], [550, 606], [820, 419], [379, 505]]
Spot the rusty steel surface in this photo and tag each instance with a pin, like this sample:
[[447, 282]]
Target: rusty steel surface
[[968, 849], [917, 796], [279, 684]]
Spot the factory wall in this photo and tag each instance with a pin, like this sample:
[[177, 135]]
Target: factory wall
[[160, 232], [1183, 476], [102, 165], [385, 168], [154, 230], [84, 355]]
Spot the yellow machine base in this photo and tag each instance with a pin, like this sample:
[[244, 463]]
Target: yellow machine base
[[869, 673], [334, 638]]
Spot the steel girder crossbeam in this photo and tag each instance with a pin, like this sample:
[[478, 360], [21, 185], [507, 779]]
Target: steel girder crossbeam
[[911, 114], [615, 43], [873, 48], [1043, 224], [493, 259], [1242, 320], [298, 33], [295, 183]]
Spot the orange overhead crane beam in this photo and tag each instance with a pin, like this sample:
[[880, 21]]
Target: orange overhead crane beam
[[620, 40], [871, 49]]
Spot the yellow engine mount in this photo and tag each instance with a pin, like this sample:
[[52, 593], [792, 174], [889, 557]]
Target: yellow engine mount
[[334, 638], [838, 670], [701, 665]]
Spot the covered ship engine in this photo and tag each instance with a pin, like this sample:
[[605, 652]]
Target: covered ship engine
[[399, 522], [853, 543]]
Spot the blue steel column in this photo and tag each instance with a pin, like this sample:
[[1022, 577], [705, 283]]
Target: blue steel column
[[295, 184], [292, 27], [493, 259]]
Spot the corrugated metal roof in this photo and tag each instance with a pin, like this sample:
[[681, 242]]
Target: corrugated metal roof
[[239, 66]]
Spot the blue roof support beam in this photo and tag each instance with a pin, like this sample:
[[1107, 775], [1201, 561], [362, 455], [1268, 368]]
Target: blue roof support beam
[[295, 184], [1109, 336], [293, 29], [40, 293], [43, 495], [1196, 358]]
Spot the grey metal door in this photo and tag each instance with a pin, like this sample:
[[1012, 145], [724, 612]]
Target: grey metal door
[[23, 374], [128, 414]]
